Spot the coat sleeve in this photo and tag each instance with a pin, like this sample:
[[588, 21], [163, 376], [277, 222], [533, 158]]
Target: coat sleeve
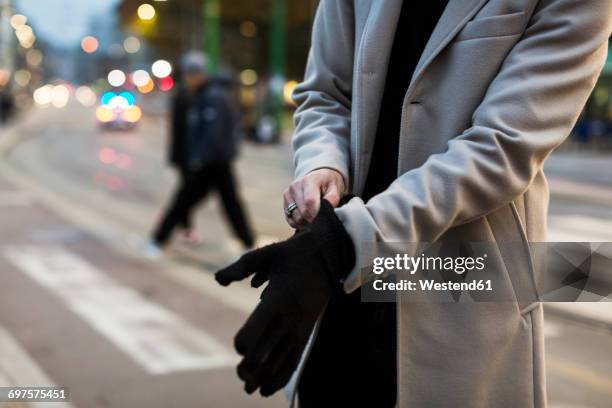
[[323, 115], [528, 110]]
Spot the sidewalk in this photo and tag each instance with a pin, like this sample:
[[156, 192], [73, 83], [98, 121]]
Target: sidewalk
[[592, 313], [65, 270], [582, 176]]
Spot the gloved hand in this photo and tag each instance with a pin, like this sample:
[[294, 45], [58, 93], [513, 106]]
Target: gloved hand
[[303, 272]]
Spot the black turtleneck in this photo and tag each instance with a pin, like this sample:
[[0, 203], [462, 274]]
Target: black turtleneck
[[416, 23]]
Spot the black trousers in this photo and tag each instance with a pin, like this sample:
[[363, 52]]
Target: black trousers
[[185, 221], [353, 359], [193, 189]]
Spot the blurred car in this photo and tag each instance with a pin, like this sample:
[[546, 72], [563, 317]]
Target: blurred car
[[118, 111]]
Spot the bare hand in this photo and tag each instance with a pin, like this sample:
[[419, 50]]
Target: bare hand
[[307, 192]]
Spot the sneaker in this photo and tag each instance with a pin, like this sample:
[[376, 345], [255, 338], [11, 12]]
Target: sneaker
[[190, 238], [151, 250]]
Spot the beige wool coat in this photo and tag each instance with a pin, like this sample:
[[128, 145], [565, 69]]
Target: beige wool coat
[[499, 85]]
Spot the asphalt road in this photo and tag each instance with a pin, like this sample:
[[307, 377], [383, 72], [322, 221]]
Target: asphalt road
[[77, 203]]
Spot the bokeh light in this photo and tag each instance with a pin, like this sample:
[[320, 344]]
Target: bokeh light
[[118, 101], [248, 29], [166, 84], [34, 57], [22, 77], [248, 77], [147, 88], [106, 97], [104, 114], [161, 68], [146, 12], [86, 96], [107, 155], [5, 75], [131, 45], [116, 78], [131, 100], [123, 161], [60, 96], [132, 114], [43, 95], [25, 35], [89, 44], [140, 77], [18, 20]]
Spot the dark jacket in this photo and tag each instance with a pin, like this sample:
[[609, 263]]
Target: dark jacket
[[203, 128]]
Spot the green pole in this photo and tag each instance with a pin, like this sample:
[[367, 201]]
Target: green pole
[[277, 59], [277, 49], [212, 15]]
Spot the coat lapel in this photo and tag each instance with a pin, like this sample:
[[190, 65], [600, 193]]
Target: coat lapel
[[372, 60], [456, 14]]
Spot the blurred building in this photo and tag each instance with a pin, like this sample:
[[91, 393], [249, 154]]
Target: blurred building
[[261, 43], [246, 30]]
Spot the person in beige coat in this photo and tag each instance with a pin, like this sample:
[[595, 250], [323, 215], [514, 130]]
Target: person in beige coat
[[498, 86]]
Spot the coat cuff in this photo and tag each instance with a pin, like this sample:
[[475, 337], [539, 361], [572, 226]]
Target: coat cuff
[[323, 161], [354, 216]]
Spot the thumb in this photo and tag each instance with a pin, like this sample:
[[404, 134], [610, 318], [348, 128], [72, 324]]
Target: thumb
[[247, 265], [232, 273], [332, 194]]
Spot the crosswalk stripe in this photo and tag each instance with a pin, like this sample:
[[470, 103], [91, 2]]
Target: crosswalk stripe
[[157, 339]]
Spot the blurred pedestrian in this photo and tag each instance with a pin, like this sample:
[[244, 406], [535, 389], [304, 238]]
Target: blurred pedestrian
[[202, 147], [6, 105], [437, 116]]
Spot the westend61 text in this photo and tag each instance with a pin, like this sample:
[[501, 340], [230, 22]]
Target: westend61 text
[[432, 285]]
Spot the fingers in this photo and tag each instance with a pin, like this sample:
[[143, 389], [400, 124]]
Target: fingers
[[296, 220], [307, 191], [273, 371], [235, 272], [249, 263], [311, 200], [278, 370], [248, 336], [332, 193], [250, 368], [259, 279]]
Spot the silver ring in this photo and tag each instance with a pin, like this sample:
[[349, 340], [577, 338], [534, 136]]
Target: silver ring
[[290, 209]]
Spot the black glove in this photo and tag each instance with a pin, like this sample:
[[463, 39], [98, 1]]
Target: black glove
[[303, 272]]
